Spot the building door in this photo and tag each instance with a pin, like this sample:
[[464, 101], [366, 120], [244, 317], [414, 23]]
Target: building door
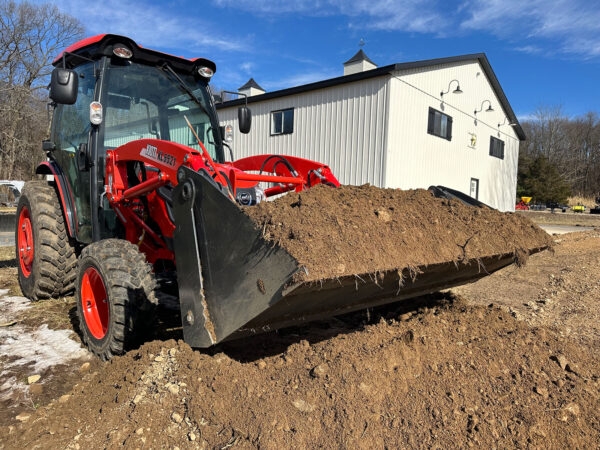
[[474, 188]]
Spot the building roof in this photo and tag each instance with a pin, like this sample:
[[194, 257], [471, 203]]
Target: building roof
[[359, 56], [387, 70], [251, 84]]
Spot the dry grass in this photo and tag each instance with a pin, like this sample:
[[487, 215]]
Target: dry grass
[[8, 271], [575, 200], [56, 313]]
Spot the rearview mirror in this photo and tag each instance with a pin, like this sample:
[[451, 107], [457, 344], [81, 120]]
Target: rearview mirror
[[244, 119], [63, 86]]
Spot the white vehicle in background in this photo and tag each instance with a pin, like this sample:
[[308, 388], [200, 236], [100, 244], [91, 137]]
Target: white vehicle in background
[[16, 187]]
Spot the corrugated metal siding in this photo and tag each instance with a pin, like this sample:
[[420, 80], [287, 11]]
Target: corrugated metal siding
[[343, 127], [416, 159]]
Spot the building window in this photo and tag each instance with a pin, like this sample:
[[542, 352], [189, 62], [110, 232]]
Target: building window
[[496, 147], [282, 122], [439, 124]]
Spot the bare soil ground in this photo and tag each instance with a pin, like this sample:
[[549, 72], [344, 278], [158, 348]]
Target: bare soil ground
[[510, 361], [559, 290]]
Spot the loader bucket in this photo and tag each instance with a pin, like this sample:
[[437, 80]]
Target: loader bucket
[[236, 278]]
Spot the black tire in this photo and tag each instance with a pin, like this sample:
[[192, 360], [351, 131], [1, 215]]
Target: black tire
[[129, 286], [51, 269]]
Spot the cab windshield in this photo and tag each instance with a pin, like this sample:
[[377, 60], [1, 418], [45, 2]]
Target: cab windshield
[[147, 102]]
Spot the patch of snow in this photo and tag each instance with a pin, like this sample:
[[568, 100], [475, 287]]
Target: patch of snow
[[30, 350], [10, 387], [40, 348], [10, 306]]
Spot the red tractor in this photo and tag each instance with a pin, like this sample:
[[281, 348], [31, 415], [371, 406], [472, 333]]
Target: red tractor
[[142, 201], [141, 186]]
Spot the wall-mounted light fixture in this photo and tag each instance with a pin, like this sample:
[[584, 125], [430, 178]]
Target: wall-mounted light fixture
[[489, 109], [511, 124], [455, 91]]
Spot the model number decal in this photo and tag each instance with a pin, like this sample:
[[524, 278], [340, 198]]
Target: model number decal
[[153, 153]]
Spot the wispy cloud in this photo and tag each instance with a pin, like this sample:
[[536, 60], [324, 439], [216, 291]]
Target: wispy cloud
[[405, 15], [151, 24], [569, 27], [530, 49], [247, 67], [574, 25]]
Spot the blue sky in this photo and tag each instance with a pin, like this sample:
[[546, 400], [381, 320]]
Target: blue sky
[[544, 52]]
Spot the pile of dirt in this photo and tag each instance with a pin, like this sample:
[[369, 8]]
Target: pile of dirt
[[364, 229], [449, 375]]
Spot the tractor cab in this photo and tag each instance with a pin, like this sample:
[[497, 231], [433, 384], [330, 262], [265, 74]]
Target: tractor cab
[[108, 92]]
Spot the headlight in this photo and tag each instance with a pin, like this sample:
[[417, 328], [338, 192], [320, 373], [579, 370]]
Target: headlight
[[228, 133], [96, 113], [206, 72]]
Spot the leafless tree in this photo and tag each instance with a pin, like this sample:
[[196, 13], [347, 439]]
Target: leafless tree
[[570, 144], [31, 36]]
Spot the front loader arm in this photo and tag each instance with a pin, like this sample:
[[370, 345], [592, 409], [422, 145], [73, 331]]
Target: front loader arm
[[146, 212], [300, 173]]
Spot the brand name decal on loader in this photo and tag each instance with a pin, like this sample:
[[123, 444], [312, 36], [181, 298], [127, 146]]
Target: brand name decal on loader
[[153, 153]]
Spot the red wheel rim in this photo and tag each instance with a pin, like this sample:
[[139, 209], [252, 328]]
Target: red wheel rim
[[25, 241], [94, 303]]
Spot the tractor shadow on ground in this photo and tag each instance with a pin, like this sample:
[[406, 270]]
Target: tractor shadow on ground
[[250, 349], [8, 263]]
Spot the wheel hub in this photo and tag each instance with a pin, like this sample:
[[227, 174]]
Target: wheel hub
[[25, 241], [94, 303]]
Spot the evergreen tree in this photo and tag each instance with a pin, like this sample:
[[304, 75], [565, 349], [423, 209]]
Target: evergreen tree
[[540, 179]]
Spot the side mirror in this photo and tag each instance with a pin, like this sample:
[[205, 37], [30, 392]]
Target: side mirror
[[63, 86], [244, 119]]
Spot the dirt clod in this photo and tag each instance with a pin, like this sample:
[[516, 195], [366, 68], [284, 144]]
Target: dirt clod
[[561, 360], [303, 406], [319, 371]]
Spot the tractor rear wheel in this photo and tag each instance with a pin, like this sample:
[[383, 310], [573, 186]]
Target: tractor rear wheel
[[115, 297], [46, 259]]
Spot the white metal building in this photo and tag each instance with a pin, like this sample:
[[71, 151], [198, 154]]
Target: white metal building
[[392, 126]]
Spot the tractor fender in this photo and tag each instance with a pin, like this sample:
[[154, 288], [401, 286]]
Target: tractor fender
[[64, 193]]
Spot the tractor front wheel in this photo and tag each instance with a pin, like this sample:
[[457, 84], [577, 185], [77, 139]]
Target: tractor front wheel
[[45, 256], [115, 297]]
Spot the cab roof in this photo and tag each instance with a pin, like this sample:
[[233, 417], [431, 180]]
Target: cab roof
[[101, 45]]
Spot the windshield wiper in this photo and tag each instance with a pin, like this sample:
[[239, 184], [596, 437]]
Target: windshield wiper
[[166, 67]]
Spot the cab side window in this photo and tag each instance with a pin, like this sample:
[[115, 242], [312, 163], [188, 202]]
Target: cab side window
[[72, 122], [71, 127]]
